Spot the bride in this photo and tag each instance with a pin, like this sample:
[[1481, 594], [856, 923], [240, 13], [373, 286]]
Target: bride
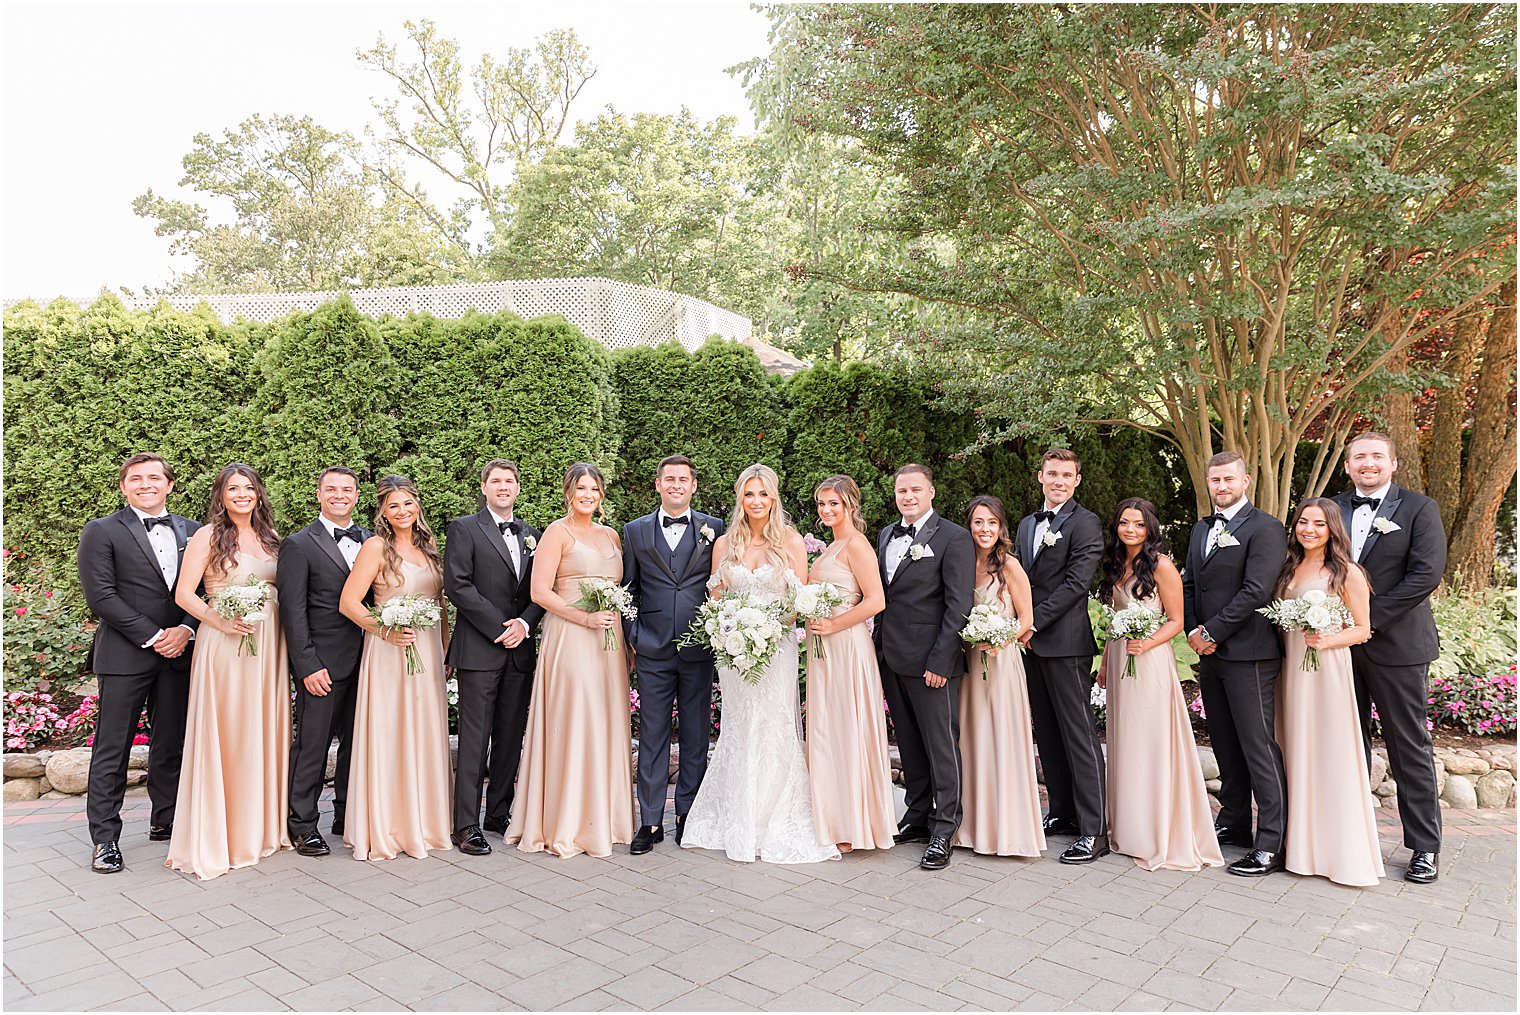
[[754, 801]]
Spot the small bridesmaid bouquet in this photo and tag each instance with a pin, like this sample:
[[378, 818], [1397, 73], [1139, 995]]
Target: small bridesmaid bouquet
[[245, 604], [1135, 622], [1316, 611], [598, 594], [417, 612], [816, 601], [986, 625]]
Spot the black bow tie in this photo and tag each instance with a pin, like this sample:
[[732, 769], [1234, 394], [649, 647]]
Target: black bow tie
[[1043, 516], [903, 530], [148, 523], [1357, 500], [352, 532], [1215, 517], [514, 527], [668, 521]]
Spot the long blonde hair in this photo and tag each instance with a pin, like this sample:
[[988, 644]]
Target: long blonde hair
[[777, 527], [422, 535]]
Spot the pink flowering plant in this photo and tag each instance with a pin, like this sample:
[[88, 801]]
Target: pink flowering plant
[[30, 717], [46, 648], [1484, 705]]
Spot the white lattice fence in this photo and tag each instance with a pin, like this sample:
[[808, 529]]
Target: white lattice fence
[[615, 314]]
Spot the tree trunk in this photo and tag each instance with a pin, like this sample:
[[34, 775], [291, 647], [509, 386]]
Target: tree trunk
[[1398, 412], [1443, 454]]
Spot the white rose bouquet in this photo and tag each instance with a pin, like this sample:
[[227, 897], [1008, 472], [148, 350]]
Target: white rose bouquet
[[1135, 622], [245, 604], [986, 625], [1315, 610], [417, 612], [742, 632], [816, 601], [598, 594]]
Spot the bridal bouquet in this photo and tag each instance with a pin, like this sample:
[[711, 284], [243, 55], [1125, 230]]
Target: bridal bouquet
[[986, 625], [598, 594], [245, 604], [816, 601], [417, 612], [1316, 611], [1135, 622], [743, 632]]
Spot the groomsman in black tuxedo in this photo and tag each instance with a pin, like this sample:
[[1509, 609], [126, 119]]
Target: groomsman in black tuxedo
[[667, 556], [1234, 558], [1060, 546], [487, 575], [1397, 536], [129, 563], [928, 567], [324, 649]]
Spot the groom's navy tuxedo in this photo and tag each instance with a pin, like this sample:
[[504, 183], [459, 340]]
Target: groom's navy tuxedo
[[928, 600], [668, 586], [124, 585], [1404, 565]]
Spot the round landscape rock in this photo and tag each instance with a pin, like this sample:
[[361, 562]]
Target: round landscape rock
[[69, 771], [22, 789], [1466, 764], [23, 766], [1460, 792], [1208, 763], [1496, 789], [139, 757]]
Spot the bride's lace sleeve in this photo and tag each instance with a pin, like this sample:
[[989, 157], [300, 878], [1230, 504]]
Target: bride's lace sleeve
[[715, 580]]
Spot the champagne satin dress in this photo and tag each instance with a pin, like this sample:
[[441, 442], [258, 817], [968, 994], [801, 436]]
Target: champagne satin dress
[[575, 787], [233, 785], [1332, 829], [848, 768], [1158, 806], [400, 783], [1000, 796]]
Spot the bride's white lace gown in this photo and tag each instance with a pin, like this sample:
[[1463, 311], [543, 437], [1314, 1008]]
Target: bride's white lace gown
[[754, 803]]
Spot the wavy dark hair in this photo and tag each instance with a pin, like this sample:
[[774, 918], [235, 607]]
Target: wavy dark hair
[[1338, 559], [422, 535], [1116, 555], [224, 534], [1003, 548]]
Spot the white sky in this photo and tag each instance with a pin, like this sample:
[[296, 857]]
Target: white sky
[[100, 101]]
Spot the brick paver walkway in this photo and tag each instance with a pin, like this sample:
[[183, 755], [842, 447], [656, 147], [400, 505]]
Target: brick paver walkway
[[687, 930]]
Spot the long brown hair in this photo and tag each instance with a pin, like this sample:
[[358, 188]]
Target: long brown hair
[[849, 495], [422, 536], [1338, 559], [1001, 550], [1116, 554], [224, 534]]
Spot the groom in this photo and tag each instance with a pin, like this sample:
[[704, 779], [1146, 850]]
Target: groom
[[928, 567], [667, 557]]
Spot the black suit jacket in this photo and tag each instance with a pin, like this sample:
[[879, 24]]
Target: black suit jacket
[[487, 591], [309, 578], [125, 589], [1404, 567], [1223, 591], [1060, 578], [667, 587], [928, 600]]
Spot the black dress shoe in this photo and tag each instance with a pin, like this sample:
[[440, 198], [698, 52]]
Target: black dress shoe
[[680, 827], [160, 833], [1234, 837], [1257, 863], [937, 855], [1422, 869], [107, 859], [1060, 826], [471, 841], [645, 838], [1086, 849], [337, 827], [310, 844], [499, 827], [911, 833]]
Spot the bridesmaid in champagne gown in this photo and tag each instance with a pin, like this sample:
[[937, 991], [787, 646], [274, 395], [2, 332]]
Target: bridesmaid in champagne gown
[[575, 786], [1158, 807], [232, 789], [848, 768], [1000, 795], [1332, 830], [400, 783]]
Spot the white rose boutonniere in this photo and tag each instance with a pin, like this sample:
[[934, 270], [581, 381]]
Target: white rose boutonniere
[[707, 533], [918, 551], [1051, 538], [1225, 539], [1385, 526], [529, 543]]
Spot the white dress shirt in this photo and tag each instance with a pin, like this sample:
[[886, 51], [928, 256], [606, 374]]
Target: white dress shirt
[[1043, 526], [166, 550], [897, 548], [1229, 516], [673, 533], [1361, 519], [347, 547]]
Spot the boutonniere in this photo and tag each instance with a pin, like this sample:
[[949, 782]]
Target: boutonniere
[[1050, 538], [918, 551], [706, 533], [1225, 539], [529, 543], [1385, 526]]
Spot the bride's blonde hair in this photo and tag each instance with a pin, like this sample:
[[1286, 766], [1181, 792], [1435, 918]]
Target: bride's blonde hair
[[777, 527]]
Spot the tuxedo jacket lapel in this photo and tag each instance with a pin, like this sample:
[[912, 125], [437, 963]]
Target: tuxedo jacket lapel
[[920, 538], [655, 545], [318, 534], [1232, 526], [134, 525], [1026, 541], [487, 523], [1386, 509], [881, 554], [686, 549]]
